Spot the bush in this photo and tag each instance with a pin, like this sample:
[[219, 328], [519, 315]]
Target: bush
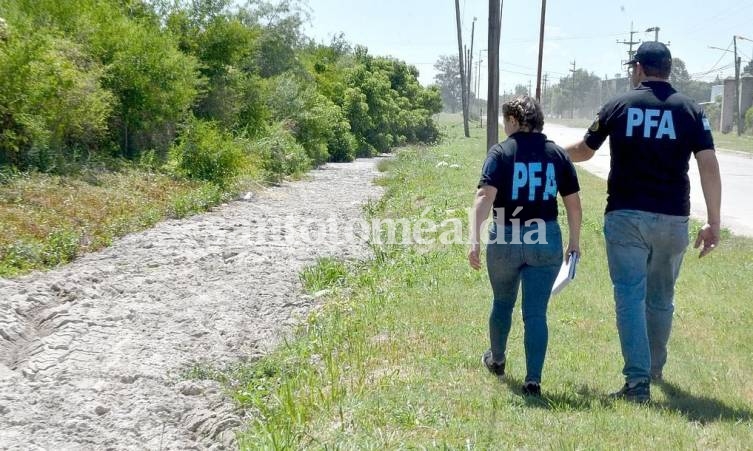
[[342, 144], [61, 246], [278, 153], [195, 201], [749, 121], [52, 107], [205, 152]]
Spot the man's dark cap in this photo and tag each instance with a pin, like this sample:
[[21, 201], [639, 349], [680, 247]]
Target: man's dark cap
[[652, 54]]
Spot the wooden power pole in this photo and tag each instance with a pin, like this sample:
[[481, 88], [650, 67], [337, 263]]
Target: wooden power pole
[[461, 60], [470, 69], [492, 99], [541, 51]]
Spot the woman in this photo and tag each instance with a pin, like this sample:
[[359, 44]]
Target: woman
[[520, 179]]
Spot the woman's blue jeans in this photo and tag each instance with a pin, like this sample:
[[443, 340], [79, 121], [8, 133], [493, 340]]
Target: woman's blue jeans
[[536, 264], [644, 252]]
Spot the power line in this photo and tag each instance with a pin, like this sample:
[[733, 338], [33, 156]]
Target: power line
[[713, 68]]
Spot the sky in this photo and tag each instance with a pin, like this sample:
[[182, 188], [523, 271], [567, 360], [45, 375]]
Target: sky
[[581, 31]]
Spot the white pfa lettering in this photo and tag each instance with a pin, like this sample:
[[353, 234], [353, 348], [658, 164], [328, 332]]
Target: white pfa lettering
[[530, 175], [656, 123]]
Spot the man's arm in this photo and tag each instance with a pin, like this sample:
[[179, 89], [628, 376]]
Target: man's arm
[[580, 151], [711, 184]]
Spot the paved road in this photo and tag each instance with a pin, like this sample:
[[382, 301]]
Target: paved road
[[737, 180]]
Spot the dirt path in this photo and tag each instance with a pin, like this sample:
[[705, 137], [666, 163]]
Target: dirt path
[[91, 354]]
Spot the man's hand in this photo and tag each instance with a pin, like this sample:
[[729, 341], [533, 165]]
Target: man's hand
[[709, 237], [473, 256]]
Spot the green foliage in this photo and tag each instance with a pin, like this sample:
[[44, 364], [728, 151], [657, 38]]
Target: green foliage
[[447, 79], [196, 201], [109, 78], [205, 152], [327, 273], [577, 93], [749, 120], [681, 80], [317, 123], [155, 83], [60, 246], [278, 154], [52, 105]]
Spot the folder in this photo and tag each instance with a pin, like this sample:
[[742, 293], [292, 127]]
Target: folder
[[567, 272]]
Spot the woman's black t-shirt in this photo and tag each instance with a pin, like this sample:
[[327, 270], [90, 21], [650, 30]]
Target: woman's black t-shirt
[[528, 171]]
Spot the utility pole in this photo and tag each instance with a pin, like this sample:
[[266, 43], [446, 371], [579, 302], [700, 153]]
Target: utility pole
[[544, 90], [656, 32], [738, 69], [630, 43], [492, 99], [572, 92], [467, 72], [464, 97], [737, 87], [470, 61], [541, 52]]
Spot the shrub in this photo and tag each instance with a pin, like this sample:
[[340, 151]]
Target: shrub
[[195, 201], [205, 152], [61, 246], [52, 107], [278, 153]]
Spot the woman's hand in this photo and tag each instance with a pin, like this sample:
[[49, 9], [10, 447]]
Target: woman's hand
[[473, 256], [572, 247]]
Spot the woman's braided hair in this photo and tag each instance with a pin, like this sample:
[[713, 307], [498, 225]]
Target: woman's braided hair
[[526, 111]]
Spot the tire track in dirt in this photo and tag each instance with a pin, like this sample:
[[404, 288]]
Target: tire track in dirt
[[91, 353]]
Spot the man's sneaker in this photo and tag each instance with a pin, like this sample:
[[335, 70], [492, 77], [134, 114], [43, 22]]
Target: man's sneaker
[[531, 388], [497, 368], [637, 392]]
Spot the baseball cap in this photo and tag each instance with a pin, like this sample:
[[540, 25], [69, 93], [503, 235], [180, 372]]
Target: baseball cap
[[652, 53]]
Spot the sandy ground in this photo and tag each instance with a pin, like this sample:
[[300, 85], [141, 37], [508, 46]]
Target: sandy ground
[[92, 353]]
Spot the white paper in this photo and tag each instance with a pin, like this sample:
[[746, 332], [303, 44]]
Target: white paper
[[566, 274]]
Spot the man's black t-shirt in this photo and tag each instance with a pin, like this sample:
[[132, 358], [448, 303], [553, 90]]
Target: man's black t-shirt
[[652, 131], [528, 171]]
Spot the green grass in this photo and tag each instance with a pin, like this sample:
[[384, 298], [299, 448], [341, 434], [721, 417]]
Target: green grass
[[730, 141], [50, 219], [391, 361]]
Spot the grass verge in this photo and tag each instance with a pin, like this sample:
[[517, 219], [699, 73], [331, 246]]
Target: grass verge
[[730, 141], [391, 360], [48, 219]]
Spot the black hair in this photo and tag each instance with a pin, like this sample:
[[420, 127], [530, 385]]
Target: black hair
[[526, 110], [660, 69]]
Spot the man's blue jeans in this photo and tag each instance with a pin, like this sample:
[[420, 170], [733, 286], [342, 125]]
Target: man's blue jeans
[[536, 265], [644, 252]]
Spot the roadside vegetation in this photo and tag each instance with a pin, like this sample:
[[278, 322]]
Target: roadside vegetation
[[392, 358], [116, 114]]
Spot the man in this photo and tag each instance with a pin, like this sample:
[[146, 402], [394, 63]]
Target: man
[[653, 130]]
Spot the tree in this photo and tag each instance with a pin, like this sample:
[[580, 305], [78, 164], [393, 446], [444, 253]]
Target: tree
[[521, 90], [748, 69], [448, 80], [578, 93], [681, 80]]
